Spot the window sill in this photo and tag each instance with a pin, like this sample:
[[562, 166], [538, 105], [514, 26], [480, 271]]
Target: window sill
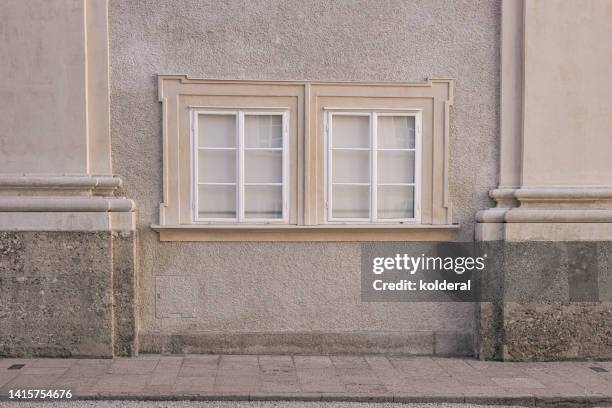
[[324, 232]]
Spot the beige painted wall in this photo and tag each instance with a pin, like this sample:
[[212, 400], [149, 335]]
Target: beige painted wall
[[568, 93], [42, 91]]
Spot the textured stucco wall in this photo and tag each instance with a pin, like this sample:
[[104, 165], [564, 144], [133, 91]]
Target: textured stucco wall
[[294, 287]]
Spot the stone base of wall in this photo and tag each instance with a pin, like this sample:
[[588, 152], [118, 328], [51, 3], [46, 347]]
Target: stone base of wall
[[546, 301], [443, 343], [67, 294], [557, 332]]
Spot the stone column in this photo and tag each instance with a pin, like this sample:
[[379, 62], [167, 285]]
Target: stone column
[[550, 287], [66, 237]]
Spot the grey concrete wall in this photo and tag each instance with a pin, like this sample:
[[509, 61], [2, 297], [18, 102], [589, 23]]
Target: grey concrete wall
[[294, 287]]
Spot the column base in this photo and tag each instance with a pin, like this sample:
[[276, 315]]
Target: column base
[[67, 294], [546, 299], [67, 256]]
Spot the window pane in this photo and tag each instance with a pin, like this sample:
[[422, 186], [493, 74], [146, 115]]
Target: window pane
[[396, 132], [395, 167], [217, 166], [216, 201], [217, 130], [263, 131], [263, 166], [351, 166], [350, 201], [395, 202], [350, 131], [263, 202]]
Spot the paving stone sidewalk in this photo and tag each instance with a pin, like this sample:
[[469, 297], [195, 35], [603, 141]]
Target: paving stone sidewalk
[[335, 378]]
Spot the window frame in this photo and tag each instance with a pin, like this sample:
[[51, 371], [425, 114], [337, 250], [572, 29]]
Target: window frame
[[239, 114], [373, 115], [306, 102]]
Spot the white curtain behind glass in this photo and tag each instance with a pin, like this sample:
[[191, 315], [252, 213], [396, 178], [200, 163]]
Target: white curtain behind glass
[[217, 156], [351, 187], [263, 161]]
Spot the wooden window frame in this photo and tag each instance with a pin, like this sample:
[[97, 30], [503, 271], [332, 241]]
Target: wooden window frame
[[373, 149], [305, 104], [239, 182]]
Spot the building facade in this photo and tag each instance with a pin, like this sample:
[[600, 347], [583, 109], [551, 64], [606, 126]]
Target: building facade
[[194, 176]]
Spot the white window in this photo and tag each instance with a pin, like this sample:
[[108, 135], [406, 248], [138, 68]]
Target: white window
[[292, 161], [373, 166], [240, 166]]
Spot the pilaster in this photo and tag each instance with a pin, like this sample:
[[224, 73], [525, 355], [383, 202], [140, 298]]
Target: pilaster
[[552, 223], [68, 277]]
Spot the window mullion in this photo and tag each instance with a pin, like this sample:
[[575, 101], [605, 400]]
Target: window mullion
[[417, 166], [194, 165], [374, 167], [328, 129], [240, 168], [285, 167]]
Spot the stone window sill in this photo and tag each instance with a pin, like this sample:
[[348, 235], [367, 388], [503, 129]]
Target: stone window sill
[[325, 232]]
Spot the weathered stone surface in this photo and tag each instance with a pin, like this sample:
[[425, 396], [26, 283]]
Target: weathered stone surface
[[125, 307], [544, 332], [489, 311], [57, 296], [489, 331], [547, 301], [396, 343], [453, 344]]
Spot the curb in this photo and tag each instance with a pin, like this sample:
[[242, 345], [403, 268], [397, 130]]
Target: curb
[[569, 401]]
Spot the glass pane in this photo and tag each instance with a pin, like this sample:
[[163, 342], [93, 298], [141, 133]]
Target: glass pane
[[351, 166], [217, 166], [263, 202], [396, 132], [395, 202], [351, 201], [395, 167], [216, 201], [263, 131], [350, 131], [263, 166], [216, 130]]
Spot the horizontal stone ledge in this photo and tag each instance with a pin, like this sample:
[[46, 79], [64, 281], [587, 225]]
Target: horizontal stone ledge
[[73, 221], [304, 233], [545, 215], [558, 215], [544, 231], [66, 204], [497, 215], [285, 227], [47, 184], [574, 193], [58, 181], [502, 193]]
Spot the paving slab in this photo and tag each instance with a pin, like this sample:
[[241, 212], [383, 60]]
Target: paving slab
[[117, 384], [315, 378], [29, 381], [193, 385]]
